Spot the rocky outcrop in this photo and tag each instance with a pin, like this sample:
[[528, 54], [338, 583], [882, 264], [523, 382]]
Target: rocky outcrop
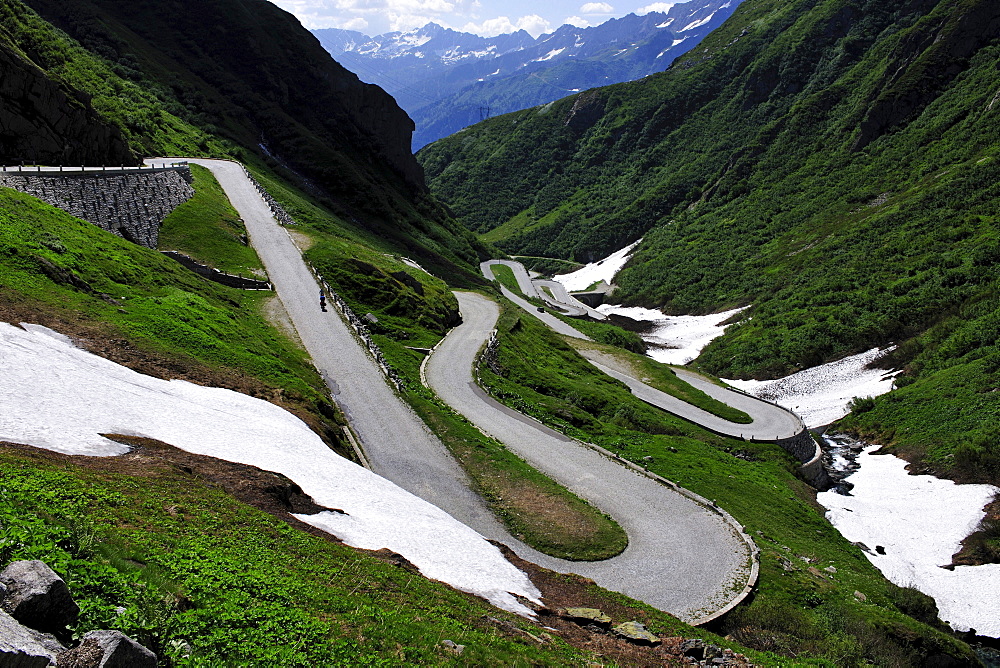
[[36, 597], [107, 649], [44, 121], [587, 110], [38, 600], [586, 616], [637, 633], [926, 61], [21, 647]]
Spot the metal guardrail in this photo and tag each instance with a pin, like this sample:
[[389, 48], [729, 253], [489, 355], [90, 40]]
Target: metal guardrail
[[67, 170]]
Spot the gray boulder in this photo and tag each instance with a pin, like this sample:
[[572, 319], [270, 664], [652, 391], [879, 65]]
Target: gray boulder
[[107, 649], [637, 633], [37, 597], [21, 647], [586, 616]]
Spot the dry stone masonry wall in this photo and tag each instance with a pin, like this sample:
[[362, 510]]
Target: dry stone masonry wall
[[126, 202], [278, 211], [361, 330]]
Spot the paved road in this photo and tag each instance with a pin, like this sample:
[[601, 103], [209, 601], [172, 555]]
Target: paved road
[[553, 322], [554, 294], [396, 442], [770, 422], [682, 557]]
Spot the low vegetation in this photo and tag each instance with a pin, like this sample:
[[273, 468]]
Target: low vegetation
[[777, 165], [801, 610], [208, 229], [204, 579]]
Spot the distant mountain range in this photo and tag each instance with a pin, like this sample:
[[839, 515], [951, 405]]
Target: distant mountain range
[[447, 80]]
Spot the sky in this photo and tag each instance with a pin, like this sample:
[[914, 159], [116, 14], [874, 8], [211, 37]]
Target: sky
[[482, 17]]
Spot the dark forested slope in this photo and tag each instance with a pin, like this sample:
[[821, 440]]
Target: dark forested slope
[[833, 162], [240, 78]]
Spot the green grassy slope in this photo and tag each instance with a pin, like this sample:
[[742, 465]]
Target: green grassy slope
[[206, 580], [800, 610], [64, 267], [209, 229], [274, 99], [832, 163]]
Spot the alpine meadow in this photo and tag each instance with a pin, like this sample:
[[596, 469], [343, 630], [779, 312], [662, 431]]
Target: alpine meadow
[[320, 415]]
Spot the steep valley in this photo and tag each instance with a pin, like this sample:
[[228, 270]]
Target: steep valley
[[203, 560], [831, 163]]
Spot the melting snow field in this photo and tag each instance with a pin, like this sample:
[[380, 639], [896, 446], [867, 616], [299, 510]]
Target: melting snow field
[[820, 395], [602, 270], [676, 339], [61, 398], [920, 521]]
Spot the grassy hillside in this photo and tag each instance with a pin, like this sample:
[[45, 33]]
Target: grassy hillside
[[155, 544], [801, 610], [162, 81], [832, 163], [145, 310]]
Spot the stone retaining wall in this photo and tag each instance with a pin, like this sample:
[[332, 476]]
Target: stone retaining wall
[[805, 448], [131, 203], [212, 274]]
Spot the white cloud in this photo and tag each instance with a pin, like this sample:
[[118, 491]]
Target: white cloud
[[380, 15], [597, 8], [656, 7], [357, 23], [534, 24], [577, 21]]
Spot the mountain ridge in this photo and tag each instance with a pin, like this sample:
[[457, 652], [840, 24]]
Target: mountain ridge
[[831, 163], [447, 79]]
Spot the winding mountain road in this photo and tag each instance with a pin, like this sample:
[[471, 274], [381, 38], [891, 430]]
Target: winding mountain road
[[551, 292], [396, 442], [769, 422], [683, 556]]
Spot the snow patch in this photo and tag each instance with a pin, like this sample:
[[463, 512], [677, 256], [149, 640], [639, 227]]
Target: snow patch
[[602, 270], [675, 339], [549, 56], [61, 398], [666, 24], [920, 520], [697, 24], [820, 395]]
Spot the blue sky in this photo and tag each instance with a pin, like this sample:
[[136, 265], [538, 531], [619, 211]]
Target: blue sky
[[483, 17]]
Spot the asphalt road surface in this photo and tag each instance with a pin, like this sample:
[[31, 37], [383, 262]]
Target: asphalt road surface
[[682, 557], [396, 442], [770, 422]]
